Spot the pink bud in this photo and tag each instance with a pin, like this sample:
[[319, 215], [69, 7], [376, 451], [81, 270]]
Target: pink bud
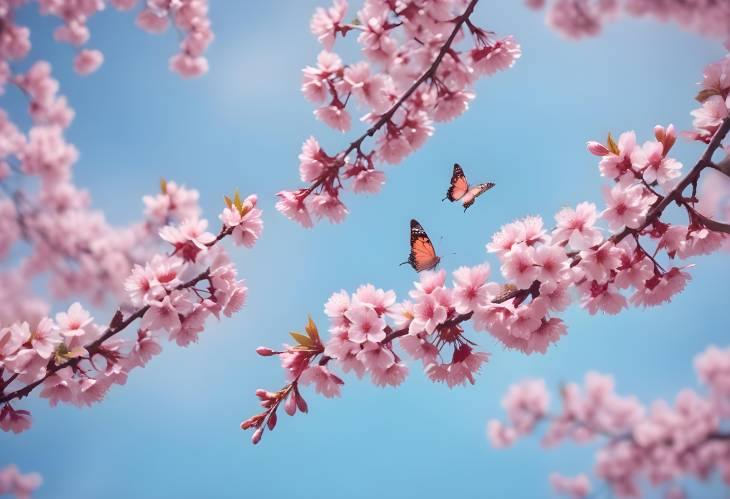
[[256, 437], [272, 421], [670, 138], [262, 394], [265, 351], [301, 403], [245, 425], [290, 406], [659, 133], [596, 148]]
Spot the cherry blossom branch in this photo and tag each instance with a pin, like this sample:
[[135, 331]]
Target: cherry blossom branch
[[666, 443], [116, 326], [388, 115], [51, 353], [418, 85]]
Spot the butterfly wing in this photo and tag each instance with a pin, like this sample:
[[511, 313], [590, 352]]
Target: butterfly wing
[[474, 193], [459, 186], [423, 256]]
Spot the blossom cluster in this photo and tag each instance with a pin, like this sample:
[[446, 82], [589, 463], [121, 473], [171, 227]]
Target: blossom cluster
[[21, 486], [76, 360], [662, 443], [630, 252], [189, 17], [49, 228], [412, 76], [166, 270], [583, 18]]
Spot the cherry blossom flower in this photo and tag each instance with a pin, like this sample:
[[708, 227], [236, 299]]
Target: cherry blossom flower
[[13, 482], [576, 227], [88, 61]]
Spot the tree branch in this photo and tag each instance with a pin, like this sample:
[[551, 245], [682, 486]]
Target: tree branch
[[711, 224]]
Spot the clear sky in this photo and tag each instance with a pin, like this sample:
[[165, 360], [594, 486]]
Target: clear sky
[[172, 431]]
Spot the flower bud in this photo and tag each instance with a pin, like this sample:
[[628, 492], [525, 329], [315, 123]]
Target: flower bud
[[272, 421], [301, 404], [265, 351], [290, 406], [596, 148], [256, 437]]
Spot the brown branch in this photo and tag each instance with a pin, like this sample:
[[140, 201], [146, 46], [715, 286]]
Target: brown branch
[[385, 118], [723, 166], [711, 224]]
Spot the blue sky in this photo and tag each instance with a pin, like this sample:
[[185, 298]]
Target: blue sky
[[172, 431]]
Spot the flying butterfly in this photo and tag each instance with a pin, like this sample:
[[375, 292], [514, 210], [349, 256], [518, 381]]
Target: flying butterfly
[[460, 190], [423, 256]]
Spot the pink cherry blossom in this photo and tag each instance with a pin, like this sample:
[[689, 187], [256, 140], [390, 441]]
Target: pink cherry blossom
[[324, 381], [519, 265], [13, 482], [88, 61], [326, 22], [293, 207], [428, 313], [366, 324], [471, 288], [577, 227], [576, 487]]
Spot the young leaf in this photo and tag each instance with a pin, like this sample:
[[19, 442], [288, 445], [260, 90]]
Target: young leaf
[[301, 339], [612, 145], [163, 186], [228, 201], [237, 202], [311, 329], [705, 94]]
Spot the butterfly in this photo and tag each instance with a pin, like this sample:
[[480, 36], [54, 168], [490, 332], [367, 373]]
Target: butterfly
[[459, 190], [423, 256]]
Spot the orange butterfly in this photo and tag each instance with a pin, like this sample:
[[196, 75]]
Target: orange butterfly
[[423, 256], [459, 190]]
